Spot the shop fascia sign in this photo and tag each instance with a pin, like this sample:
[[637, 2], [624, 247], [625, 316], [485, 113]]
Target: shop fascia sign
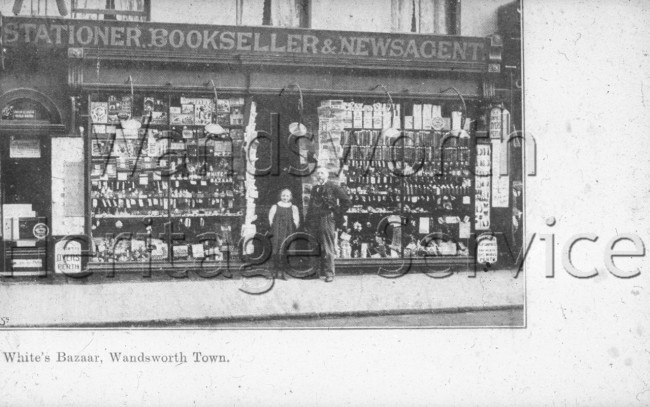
[[209, 40]]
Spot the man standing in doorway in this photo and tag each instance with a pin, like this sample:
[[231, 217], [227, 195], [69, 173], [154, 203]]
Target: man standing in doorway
[[327, 205]]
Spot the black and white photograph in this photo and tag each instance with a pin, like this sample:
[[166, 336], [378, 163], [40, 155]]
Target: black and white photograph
[[249, 151], [324, 202]]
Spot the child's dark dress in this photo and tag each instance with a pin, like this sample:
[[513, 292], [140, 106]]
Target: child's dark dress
[[282, 227]]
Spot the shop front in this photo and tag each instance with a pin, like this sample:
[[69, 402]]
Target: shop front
[[189, 133]]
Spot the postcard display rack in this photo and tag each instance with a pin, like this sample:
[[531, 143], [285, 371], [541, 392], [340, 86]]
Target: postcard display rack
[[412, 195], [167, 191]]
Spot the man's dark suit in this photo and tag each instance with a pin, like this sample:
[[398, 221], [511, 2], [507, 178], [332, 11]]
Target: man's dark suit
[[327, 205]]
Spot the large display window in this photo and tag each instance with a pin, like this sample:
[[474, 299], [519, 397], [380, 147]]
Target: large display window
[[418, 173], [167, 188], [409, 167]]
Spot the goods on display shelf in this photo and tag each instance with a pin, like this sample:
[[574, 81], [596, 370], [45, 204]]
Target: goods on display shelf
[[412, 194], [164, 192]]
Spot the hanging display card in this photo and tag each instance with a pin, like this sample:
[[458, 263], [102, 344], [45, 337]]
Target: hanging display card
[[500, 183], [464, 230], [424, 226]]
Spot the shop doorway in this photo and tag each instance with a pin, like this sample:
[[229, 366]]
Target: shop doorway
[[25, 186]]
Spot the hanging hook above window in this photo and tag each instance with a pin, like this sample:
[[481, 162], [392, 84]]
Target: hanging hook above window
[[132, 93], [390, 98], [462, 99], [214, 128], [389, 132], [131, 123], [301, 103], [214, 89]]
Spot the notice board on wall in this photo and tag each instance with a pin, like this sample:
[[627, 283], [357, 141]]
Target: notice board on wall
[[73, 189], [24, 148]]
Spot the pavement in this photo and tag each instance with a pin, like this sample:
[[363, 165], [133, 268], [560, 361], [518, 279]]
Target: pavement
[[139, 302]]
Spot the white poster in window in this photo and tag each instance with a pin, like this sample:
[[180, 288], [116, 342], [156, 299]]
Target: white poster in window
[[500, 183]]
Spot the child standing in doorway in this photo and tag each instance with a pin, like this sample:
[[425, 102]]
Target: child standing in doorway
[[284, 220]]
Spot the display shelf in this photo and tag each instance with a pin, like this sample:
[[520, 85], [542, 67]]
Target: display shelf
[[194, 197], [172, 215], [213, 215], [105, 216]]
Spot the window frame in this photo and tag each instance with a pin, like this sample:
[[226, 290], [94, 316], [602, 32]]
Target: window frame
[[110, 13], [304, 19], [452, 17]]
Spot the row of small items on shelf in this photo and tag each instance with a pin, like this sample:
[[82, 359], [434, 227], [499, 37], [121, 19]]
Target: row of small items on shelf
[[111, 189], [157, 174], [414, 204], [360, 242], [419, 138], [410, 189], [214, 178], [157, 144], [156, 110], [407, 153], [393, 171], [136, 250], [158, 207], [166, 214], [417, 116], [153, 199]]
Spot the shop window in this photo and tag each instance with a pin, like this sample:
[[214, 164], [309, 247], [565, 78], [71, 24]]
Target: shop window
[[426, 16], [170, 190], [49, 8], [412, 193], [126, 10]]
